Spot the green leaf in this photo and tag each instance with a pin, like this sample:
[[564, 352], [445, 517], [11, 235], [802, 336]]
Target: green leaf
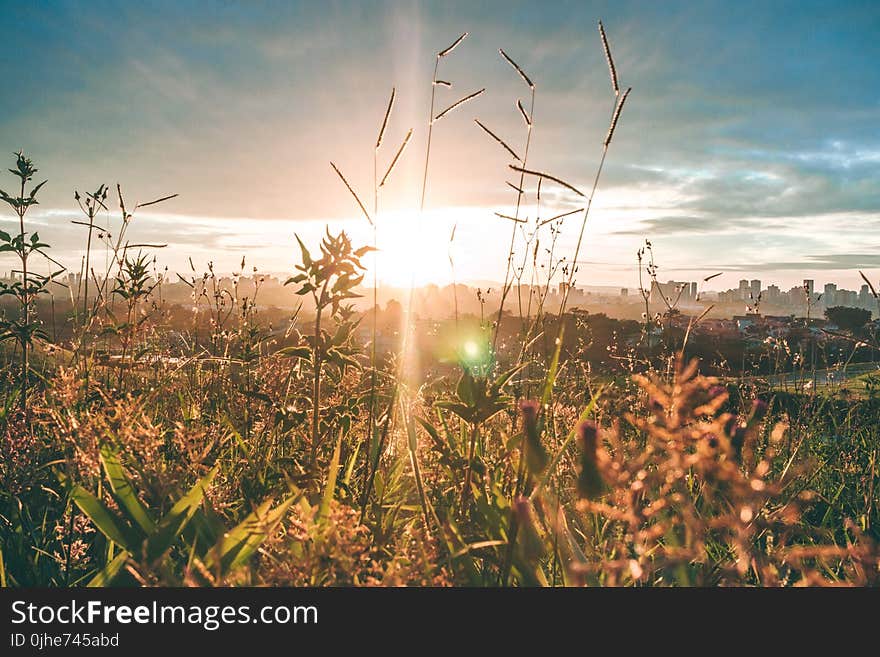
[[462, 411], [466, 389], [171, 526], [306, 256], [109, 525], [442, 447], [236, 546], [343, 332], [296, 352], [554, 367], [205, 528], [109, 572], [341, 359], [504, 377], [349, 467], [330, 488], [558, 457], [37, 189], [123, 491]]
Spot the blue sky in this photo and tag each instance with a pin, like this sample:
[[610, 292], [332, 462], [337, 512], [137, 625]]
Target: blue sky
[[750, 143]]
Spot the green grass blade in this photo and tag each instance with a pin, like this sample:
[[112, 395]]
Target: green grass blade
[[571, 434], [109, 572], [349, 468], [330, 488], [236, 546], [554, 368], [171, 526], [123, 491], [108, 524]]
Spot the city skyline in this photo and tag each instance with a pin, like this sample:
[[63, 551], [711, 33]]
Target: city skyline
[[751, 296]]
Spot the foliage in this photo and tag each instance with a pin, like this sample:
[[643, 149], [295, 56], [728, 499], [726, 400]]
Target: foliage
[[22, 330], [849, 319]]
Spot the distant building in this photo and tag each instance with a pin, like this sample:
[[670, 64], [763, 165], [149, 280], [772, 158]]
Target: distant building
[[755, 288], [744, 290], [830, 294], [624, 292], [846, 298], [797, 296], [673, 291], [808, 286]]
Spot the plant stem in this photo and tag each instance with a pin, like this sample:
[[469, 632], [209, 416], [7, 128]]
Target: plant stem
[[26, 303], [504, 288], [316, 382], [372, 409], [466, 490], [86, 272], [317, 362]]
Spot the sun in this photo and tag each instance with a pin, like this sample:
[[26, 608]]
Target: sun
[[412, 249]]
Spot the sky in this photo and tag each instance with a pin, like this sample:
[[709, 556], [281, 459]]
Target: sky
[[749, 145]]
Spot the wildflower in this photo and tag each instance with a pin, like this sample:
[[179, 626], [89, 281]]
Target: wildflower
[[589, 483], [535, 454]]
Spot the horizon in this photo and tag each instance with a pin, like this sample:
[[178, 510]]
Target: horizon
[[609, 288]]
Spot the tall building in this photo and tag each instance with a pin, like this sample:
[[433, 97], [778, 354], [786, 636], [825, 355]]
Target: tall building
[[797, 296], [755, 288], [846, 298], [830, 294], [744, 290], [864, 296], [808, 286], [772, 294], [693, 290]]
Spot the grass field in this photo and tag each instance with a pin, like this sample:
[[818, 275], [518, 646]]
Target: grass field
[[215, 450]]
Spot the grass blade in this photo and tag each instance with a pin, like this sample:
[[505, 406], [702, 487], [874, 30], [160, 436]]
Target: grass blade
[[125, 537], [330, 488], [123, 491], [548, 472]]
